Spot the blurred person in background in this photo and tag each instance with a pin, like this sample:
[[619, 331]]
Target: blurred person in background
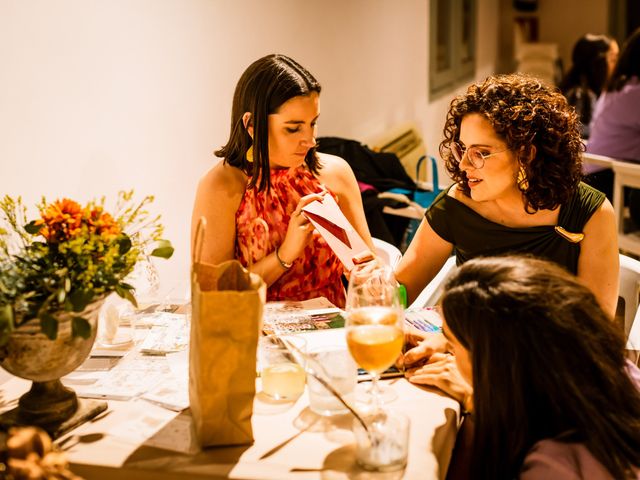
[[593, 59], [615, 127]]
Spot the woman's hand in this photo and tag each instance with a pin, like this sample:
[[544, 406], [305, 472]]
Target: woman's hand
[[299, 230], [442, 372], [425, 345]]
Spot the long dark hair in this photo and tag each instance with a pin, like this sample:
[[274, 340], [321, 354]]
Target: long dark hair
[[524, 112], [589, 67], [262, 89], [628, 64], [547, 363]]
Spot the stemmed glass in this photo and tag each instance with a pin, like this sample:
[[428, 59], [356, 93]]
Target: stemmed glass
[[374, 325]]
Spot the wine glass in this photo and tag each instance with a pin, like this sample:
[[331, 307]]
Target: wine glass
[[374, 325]]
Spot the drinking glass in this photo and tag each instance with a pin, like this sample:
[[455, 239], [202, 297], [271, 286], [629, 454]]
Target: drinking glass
[[374, 325], [283, 378], [385, 446], [339, 369]]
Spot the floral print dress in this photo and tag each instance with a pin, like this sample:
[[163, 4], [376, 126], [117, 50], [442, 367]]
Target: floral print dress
[[261, 225]]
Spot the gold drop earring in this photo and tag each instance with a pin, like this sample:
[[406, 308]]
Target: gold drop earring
[[523, 183], [249, 154]]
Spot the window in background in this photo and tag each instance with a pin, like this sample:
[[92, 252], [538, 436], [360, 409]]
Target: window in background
[[452, 43]]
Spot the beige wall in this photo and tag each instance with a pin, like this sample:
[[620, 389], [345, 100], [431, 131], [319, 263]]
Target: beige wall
[[102, 95], [561, 22], [487, 54]]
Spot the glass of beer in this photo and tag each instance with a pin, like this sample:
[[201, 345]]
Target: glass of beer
[[374, 325]]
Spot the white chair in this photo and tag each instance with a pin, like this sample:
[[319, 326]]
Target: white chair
[[629, 291], [599, 160], [433, 291], [625, 174], [388, 253]]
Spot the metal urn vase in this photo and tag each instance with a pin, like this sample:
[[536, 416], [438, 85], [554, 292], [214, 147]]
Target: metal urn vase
[[31, 355]]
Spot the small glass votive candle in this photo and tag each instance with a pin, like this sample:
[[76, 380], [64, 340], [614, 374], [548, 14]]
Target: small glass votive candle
[[341, 371], [283, 378], [385, 448]]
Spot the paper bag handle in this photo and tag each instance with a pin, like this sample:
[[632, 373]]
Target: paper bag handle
[[198, 240]]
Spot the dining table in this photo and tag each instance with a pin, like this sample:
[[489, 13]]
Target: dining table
[[139, 439]]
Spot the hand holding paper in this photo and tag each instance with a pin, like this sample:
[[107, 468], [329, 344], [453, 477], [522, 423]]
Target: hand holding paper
[[334, 227], [299, 230]]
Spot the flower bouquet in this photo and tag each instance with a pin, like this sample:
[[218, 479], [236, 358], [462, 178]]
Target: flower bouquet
[[69, 257], [55, 272]]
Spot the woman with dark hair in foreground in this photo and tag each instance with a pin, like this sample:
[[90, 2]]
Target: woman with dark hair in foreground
[[553, 395]]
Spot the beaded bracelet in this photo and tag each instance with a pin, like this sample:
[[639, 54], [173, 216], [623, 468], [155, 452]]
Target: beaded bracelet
[[285, 265]]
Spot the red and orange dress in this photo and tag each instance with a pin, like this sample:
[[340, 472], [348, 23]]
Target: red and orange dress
[[261, 226]]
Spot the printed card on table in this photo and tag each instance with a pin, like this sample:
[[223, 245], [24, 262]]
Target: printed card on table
[[334, 227]]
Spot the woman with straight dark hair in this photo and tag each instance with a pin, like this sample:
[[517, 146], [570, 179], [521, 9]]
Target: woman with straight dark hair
[[253, 199], [593, 59], [553, 395]]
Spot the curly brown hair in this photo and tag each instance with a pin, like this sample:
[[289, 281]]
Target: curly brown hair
[[524, 112]]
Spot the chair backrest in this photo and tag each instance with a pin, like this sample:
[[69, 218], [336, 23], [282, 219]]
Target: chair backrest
[[625, 174], [599, 160], [406, 142], [433, 291], [387, 252]]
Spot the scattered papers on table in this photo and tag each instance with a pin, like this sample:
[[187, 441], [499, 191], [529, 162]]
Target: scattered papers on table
[[299, 316], [148, 320], [173, 391], [168, 338]]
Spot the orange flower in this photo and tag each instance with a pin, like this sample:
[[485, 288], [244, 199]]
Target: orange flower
[[62, 220], [104, 224]]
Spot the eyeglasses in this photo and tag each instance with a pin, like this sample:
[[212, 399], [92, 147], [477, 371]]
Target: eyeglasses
[[474, 155]]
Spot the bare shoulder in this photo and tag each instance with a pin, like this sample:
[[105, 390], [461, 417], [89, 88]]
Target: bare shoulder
[[335, 171], [222, 182], [603, 217], [223, 175], [332, 164]]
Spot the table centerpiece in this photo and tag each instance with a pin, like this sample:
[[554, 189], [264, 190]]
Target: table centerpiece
[[55, 273]]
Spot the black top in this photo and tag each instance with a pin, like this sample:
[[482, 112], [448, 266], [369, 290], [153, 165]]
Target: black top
[[472, 235]]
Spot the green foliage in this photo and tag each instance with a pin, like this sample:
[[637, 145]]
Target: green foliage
[[70, 256], [80, 327]]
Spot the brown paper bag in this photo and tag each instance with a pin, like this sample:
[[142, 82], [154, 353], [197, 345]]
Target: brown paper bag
[[227, 303]]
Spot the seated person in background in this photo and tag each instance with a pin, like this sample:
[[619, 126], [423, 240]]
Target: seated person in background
[[252, 200], [593, 59], [615, 127], [553, 396], [513, 147]]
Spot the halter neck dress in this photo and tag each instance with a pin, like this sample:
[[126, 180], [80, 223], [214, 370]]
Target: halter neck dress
[[261, 225]]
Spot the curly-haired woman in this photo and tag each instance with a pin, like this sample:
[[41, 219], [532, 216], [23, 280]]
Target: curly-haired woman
[[512, 145]]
